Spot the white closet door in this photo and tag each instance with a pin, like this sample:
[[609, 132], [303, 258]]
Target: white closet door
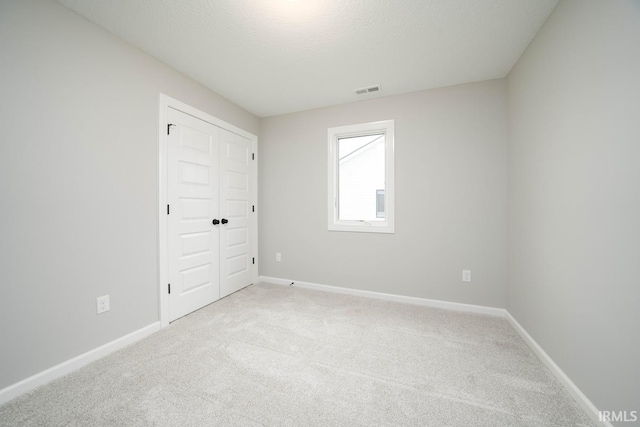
[[193, 196], [236, 192]]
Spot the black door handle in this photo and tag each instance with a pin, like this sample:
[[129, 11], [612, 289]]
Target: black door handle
[[224, 220], [215, 222]]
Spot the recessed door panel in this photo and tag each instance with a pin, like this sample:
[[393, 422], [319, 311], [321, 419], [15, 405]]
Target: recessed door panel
[[237, 236], [237, 208], [191, 173], [237, 181], [197, 140], [238, 153], [237, 265], [196, 243], [194, 209], [195, 278]]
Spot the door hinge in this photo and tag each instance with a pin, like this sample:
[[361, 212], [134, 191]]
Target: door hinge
[[169, 286], [169, 128], [254, 260], [253, 208], [253, 156], [167, 209]]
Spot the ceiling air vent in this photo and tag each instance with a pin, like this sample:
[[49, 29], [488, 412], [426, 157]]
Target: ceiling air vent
[[370, 89]]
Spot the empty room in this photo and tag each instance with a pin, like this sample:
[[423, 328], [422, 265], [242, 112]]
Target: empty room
[[320, 213]]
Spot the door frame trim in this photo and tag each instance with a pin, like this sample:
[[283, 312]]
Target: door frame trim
[[166, 102]]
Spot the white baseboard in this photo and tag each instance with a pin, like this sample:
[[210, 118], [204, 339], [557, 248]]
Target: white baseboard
[[28, 384], [469, 308], [573, 389]]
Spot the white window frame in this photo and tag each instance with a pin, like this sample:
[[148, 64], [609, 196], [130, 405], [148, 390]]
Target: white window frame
[[335, 133]]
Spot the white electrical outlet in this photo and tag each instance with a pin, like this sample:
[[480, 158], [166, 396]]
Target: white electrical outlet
[[466, 275], [102, 304], [278, 256]]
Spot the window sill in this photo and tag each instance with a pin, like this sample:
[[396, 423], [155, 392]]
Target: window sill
[[364, 227]]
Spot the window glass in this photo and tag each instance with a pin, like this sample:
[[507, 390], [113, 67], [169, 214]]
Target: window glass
[[360, 176]]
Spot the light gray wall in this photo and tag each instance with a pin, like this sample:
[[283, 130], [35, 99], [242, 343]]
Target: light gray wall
[[574, 196], [78, 183], [451, 153]]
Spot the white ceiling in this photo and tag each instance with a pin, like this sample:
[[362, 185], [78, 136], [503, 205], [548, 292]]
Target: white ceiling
[[279, 56]]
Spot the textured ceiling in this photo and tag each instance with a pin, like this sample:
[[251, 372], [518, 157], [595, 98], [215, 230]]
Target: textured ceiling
[[278, 56]]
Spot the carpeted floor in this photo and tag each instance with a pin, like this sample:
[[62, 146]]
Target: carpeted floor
[[277, 356]]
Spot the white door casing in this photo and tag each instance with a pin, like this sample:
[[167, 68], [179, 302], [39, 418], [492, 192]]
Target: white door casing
[[235, 207], [193, 195], [235, 148]]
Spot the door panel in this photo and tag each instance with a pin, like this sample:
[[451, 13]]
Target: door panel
[[193, 195], [236, 198]]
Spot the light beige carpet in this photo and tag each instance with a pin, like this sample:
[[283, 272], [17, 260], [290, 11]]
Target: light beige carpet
[[278, 356]]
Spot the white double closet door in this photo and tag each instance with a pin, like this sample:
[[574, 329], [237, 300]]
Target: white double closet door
[[210, 203]]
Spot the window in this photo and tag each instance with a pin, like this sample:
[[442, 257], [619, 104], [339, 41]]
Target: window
[[361, 177]]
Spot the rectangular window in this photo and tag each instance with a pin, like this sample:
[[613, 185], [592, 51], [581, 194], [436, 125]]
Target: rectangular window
[[361, 177]]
